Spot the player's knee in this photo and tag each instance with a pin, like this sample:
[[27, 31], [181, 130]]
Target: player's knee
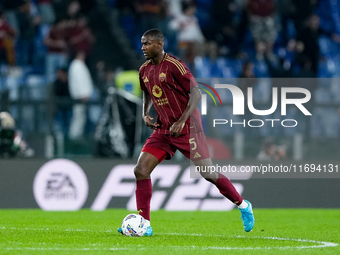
[[141, 172]]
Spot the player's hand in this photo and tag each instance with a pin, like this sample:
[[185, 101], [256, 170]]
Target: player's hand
[[148, 123], [176, 128]]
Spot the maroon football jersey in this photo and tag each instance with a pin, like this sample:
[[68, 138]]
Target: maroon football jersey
[[169, 84]]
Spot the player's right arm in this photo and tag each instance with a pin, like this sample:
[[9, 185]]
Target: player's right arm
[[147, 103]]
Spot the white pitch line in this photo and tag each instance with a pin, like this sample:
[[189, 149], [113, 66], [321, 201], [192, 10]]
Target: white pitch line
[[63, 249], [320, 244], [53, 229]]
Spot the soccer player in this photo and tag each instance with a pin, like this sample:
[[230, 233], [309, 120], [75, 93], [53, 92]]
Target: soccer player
[[168, 84]]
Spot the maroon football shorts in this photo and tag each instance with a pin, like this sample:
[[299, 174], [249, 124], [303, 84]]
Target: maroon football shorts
[[193, 146]]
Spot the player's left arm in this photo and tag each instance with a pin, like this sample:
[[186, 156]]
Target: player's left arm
[[195, 97], [187, 81]]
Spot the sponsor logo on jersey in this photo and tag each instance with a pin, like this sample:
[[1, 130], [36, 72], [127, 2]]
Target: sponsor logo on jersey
[[157, 91]]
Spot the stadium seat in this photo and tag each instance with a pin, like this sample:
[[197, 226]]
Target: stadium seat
[[325, 46], [202, 67], [261, 68], [327, 68], [13, 84], [226, 67], [203, 12], [36, 85]]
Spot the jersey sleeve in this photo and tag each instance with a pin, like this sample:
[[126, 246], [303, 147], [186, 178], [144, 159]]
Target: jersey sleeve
[[141, 82], [183, 75]]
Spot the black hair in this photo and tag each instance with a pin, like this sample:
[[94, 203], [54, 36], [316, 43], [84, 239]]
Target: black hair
[[186, 5], [155, 33]]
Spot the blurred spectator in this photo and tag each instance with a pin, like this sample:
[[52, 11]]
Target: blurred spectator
[[241, 31], [149, 12], [46, 12], [286, 10], [10, 7], [262, 24], [126, 6], [73, 10], [105, 78], [27, 26], [190, 37], [81, 37], [165, 17], [279, 69], [81, 88], [303, 9], [247, 70], [270, 151], [101, 78], [306, 71], [87, 7], [222, 28], [309, 36], [7, 33], [72, 14], [175, 8], [60, 85], [247, 77], [61, 99], [60, 9], [56, 56]]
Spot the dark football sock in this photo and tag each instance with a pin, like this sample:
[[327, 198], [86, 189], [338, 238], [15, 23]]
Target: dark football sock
[[143, 197], [228, 190]]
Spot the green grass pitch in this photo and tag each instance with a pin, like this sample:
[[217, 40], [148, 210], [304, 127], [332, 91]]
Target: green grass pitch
[[278, 231]]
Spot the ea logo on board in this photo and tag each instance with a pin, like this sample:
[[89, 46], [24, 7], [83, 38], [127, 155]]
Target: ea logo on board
[[60, 185]]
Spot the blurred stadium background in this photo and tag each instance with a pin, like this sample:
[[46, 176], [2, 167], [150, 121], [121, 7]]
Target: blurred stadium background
[[219, 40]]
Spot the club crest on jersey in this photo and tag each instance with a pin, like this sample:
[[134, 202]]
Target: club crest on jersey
[[157, 91], [162, 77]]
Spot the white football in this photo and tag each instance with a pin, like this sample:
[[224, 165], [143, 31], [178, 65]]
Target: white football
[[134, 225]]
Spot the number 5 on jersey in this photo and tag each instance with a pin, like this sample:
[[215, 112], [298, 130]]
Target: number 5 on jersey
[[192, 141]]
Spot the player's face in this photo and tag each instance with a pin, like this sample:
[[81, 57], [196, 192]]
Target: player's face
[[151, 46]]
